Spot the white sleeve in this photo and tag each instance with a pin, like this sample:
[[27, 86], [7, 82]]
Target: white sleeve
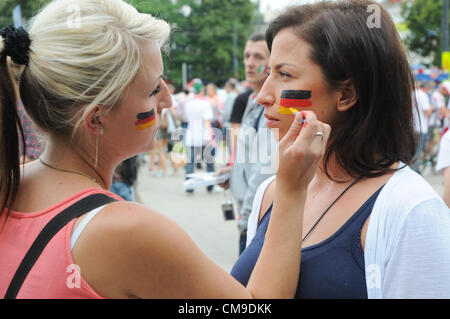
[[443, 160], [437, 99], [419, 266], [208, 113], [423, 101]]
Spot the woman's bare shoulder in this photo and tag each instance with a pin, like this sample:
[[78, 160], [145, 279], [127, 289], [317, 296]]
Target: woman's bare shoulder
[[124, 218], [133, 251], [114, 242]]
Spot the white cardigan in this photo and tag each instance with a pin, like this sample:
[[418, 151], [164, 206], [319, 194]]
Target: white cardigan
[[407, 246]]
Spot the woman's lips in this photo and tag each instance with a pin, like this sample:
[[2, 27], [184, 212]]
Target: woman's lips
[[271, 121]]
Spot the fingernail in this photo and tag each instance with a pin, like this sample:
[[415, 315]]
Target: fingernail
[[304, 120]]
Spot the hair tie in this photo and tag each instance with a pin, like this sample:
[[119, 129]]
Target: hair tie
[[16, 44]]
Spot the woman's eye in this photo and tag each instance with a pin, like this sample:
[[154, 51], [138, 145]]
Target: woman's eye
[[156, 91], [284, 75]]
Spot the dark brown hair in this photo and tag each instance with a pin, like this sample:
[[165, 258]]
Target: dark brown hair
[[378, 130], [255, 37]]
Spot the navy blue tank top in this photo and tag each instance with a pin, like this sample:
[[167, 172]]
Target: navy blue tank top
[[331, 269]]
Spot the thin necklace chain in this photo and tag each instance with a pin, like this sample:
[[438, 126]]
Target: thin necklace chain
[[328, 208], [68, 171]]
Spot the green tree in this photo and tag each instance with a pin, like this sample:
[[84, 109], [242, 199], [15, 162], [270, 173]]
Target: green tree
[[28, 7], [203, 39], [424, 20]]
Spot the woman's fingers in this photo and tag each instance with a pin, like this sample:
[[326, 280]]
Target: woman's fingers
[[326, 130], [307, 133], [294, 130], [301, 149]]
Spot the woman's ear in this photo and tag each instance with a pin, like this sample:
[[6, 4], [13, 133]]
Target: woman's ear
[[347, 96], [93, 120]]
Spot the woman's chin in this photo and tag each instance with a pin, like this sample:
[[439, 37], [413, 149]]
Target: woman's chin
[[277, 135]]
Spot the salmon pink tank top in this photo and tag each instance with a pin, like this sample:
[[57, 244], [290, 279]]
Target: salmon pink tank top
[[54, 275]]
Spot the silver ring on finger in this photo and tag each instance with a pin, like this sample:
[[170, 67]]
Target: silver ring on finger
[[320, 134]]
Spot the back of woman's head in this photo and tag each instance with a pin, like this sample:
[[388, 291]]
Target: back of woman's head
[[83, 53], [356, 40], [84, 56]]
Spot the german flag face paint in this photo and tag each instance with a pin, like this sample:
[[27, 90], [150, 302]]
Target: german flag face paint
[[292, 100], [145, 120]]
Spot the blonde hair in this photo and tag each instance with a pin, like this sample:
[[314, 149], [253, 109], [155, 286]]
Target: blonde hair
[[83, 53]]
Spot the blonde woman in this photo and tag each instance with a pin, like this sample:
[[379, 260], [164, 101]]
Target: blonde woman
[[95, 88]]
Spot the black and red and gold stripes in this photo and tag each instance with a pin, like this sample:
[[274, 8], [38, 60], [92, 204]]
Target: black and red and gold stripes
[[145, 120], [291, 100]]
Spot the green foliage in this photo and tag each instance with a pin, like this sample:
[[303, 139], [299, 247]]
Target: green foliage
[[424, 20], [204, 39], [28, 7]]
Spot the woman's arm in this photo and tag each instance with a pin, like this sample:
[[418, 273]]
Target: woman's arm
[[136, 252]]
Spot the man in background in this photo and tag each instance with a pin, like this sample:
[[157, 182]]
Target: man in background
[[246, 176]]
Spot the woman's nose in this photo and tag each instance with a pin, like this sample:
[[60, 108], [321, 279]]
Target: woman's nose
[[166, 100], [265, 97]]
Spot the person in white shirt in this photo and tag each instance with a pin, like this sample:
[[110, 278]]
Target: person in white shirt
[[198, 134], [445, 111], [437, 102], [231, 95], [421, 118], [440, 99]]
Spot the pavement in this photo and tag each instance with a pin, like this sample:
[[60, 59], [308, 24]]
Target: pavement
[[200, 214]]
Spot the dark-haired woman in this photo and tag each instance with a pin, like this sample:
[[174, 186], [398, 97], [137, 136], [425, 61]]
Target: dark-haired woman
[[372, 227]]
